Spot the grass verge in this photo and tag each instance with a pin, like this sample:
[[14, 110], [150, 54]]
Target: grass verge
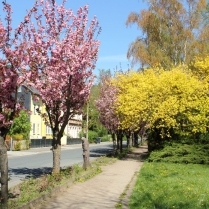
[[169, 185], [33, 188]]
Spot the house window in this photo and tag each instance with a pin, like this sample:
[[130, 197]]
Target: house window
[[48, 130], [19, 89], [38, 128], [34, 128]]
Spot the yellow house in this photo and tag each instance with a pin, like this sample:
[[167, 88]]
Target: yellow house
[[30, 104], [36, 121], [46, 130], [39, 128]]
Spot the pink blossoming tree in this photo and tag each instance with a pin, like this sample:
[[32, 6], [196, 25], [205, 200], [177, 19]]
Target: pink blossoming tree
[[105, 105], [12, 68], [60, 49], [55, 51]]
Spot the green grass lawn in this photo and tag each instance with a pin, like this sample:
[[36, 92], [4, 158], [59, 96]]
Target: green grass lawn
[[167, 185]]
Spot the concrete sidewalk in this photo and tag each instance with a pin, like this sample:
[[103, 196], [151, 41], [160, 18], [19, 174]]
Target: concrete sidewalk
[[102, 191]]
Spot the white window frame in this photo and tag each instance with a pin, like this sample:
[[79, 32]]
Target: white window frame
[[34, 110], [19, 89], [34, 128], [38, 128], [48, 130]]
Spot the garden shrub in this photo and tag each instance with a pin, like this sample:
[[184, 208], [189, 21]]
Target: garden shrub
[[92, 135], [17, 137], [105, 138], [17, 146], [182, 153]]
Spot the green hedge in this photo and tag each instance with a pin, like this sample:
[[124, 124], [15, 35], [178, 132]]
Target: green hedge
[[182, 153]]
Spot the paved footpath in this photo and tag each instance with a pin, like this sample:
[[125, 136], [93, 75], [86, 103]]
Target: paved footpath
[[102, 191]]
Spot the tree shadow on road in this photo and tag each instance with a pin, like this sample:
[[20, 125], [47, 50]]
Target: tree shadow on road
[[108, 151], [100, 152], [30, 172]]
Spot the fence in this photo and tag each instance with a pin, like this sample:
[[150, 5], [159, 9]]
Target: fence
[[35, 143], [17, 145], [73, 141], [41, 143]]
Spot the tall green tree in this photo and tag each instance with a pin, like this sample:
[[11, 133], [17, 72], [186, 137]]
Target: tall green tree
[[21, 125], [170, 32]]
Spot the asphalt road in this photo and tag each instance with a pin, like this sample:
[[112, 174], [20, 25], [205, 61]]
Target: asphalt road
[[37, 161]]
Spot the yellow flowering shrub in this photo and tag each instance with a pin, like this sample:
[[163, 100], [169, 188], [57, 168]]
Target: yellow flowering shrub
[[200, 68], [166, 100]]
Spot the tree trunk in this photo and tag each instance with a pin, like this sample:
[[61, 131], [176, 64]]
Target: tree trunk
[[132, 139], [118, 144], [141, 139], [4, 173], [128, 136], [136, 139], [85, 146], [56, 159], [114, 141], [120, 140], [56, 149], [121, 144]]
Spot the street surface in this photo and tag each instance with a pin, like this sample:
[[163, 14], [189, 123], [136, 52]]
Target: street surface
[[37, 161]]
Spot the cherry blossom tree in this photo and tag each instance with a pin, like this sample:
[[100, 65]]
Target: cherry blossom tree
[[55, 51], [12, 67], [105, 105], [60, 49]]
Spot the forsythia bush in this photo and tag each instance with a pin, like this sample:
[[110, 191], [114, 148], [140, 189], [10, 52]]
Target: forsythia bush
[[168, 101]]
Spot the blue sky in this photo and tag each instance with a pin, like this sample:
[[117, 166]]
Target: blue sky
[[115, 36]]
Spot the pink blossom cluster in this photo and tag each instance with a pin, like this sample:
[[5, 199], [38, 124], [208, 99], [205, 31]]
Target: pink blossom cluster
[[105, 106], [8, 74], [61, 52], [54, 51]]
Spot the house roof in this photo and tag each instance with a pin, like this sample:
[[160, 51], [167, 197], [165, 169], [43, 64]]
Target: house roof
[[31, 89]]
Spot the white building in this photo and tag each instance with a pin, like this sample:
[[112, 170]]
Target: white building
[[74, 126]]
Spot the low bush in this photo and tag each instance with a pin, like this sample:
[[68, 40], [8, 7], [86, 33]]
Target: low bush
[[17, 146], [17, 137], [182, 153], [105, 138], [92, 135]]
